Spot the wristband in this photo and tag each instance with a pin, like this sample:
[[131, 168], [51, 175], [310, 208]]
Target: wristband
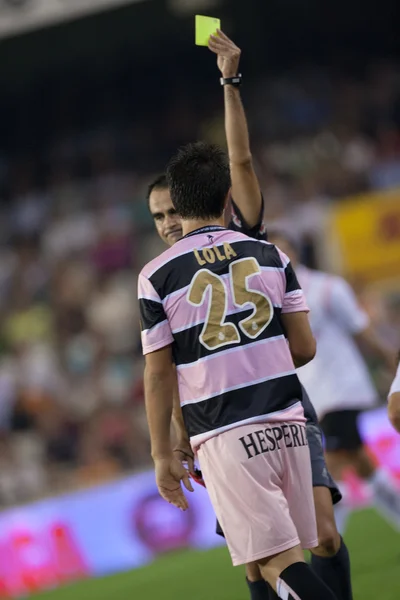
[[235, 81]]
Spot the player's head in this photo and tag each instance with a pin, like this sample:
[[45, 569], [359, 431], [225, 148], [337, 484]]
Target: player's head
[[199, 181], [286, 243], [166, 219]]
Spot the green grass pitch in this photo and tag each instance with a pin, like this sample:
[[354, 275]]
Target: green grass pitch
[[375, 555]]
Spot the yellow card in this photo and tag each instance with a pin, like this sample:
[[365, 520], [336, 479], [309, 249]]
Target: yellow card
[[205, 26]]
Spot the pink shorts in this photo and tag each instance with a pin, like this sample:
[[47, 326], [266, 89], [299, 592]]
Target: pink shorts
[[259, 480]]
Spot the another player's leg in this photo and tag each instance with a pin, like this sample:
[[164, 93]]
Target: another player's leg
[[385, 493], [330, 560], [292, 578], [344, 448], [259, 588], [337, 462]]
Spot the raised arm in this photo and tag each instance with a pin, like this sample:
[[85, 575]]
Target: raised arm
[[245, 186]]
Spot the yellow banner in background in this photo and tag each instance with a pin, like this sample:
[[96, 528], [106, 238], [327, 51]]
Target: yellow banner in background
[[367, 235]]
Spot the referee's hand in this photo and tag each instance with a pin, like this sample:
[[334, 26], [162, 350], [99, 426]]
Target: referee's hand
[[169, 474], [228, 54]]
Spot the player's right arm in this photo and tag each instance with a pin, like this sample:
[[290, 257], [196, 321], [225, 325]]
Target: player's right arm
[[182, 448], [294, 317], [159, 383], [245, 186], [181, 435], [394, 401]]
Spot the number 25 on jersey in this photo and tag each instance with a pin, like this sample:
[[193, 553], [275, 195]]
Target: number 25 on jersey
[[216, 332]]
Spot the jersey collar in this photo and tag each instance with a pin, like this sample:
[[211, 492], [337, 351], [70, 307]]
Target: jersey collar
[[204, 230]]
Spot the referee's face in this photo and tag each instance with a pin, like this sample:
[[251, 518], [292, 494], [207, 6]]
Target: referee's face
[[167, 222]]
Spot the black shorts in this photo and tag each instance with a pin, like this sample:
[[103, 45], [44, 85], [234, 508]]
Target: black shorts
[[341, 430], [320, 474]]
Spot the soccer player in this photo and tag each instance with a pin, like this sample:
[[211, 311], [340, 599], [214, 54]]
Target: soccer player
[[338, 381], [330, 560], [218, 305], [394, 401]]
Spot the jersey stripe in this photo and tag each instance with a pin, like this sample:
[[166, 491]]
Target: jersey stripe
[[187, 352], [243, 404], [158, 337], [151, 313], [207, 377]]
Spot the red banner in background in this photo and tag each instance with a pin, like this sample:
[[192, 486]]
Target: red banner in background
[[31, 561]]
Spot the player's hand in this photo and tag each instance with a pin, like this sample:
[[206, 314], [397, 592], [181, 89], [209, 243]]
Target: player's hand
[[169, 474], [228, 54], [184, 453]]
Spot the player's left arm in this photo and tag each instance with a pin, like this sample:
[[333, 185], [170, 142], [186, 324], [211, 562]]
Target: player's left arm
[[344, 305], [182, 448], [294, 316], [159, 389], [245, 186]]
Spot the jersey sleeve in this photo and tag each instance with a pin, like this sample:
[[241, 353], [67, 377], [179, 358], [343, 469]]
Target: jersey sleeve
[[237, 222], [344, 306], [395, 387], [156, 331], [293, 299]]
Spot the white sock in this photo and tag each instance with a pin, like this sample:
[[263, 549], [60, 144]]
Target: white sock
[[386, 497], [342, 510]]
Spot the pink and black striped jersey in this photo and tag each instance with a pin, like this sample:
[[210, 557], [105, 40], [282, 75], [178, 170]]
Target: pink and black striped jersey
[[217, 296]]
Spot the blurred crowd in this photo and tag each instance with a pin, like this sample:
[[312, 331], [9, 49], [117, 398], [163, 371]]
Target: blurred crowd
[[73, 239]]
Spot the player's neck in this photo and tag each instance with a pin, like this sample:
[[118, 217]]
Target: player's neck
[[189, 225]]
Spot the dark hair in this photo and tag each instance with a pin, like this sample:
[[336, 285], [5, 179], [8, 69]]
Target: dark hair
[[199, 180], [159, 183]]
